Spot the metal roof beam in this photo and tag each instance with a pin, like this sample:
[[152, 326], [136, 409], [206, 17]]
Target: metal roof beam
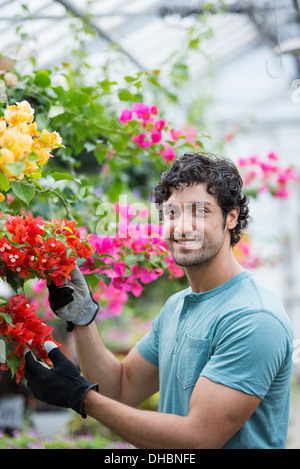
[[90, 22]]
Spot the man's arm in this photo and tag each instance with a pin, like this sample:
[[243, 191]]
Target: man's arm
[[131, 381], [216, 413]]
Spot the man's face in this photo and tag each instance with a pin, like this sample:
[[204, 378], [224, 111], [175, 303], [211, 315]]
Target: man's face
[[193, 225]]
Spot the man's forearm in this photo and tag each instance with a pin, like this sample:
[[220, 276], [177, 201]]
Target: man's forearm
[[96, 362], [142, 428]]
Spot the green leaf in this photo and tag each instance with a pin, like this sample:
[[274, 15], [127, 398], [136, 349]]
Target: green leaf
[[14, 280], [7, 318], [16, 168], [125, 95], [130, 259], [42, 78], [13, 363], [23, 191], [4, 182], [58, 176], [193, 43]]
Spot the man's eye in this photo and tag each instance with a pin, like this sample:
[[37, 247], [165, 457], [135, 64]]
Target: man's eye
[[171, 213], [200, 211]]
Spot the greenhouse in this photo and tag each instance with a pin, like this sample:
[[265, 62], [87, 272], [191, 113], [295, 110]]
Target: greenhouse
[[149, 225]]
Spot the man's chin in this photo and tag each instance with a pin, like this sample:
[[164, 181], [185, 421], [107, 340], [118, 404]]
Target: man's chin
[[186, 260]]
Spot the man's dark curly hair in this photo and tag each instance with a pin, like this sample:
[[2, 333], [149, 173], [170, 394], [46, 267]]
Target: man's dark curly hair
[[222, 180]]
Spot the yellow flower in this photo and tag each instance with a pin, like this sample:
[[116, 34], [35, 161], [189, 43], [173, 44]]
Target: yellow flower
[[6, 156], [2, 126], [2, 197], [17, 142], [30, 167], [19, 139], [32, 129], [43, 155], [7, 173], [51, 138], [19, 112]]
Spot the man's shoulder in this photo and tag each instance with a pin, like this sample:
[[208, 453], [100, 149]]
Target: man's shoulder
[[259, 304]]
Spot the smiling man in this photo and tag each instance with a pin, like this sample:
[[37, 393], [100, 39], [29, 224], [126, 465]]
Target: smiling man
[[219, 352]]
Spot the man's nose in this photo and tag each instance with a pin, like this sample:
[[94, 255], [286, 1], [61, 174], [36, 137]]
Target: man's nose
[[185, 226]]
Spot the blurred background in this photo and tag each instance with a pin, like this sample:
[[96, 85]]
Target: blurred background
[[227, 71]]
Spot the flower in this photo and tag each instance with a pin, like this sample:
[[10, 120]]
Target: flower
[[42, 249], [168, 153], [19, 112], [266, 176], [126, 115], [160, 124], [140, 140], [245, 254], [154, 131], [142, 110], [22, 147], [20, 325], [156, 136]]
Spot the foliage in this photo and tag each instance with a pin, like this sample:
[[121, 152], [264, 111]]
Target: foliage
[[31, 440]]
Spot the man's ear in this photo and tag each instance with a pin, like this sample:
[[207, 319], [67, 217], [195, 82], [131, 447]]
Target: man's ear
[[232, 218]]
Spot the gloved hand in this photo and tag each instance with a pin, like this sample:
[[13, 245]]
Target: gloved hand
[[62, 385], [73, 301]]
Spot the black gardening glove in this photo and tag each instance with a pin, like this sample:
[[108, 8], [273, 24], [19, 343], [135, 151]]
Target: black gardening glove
[[62, 385], [73, 301]]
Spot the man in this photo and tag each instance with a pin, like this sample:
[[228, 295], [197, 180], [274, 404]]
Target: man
[[219, 352]]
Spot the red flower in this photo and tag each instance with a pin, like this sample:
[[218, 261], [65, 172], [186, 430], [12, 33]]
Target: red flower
[[27, 328], [36, 251]]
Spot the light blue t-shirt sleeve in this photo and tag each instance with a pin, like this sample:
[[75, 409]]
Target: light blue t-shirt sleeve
[[148, 346], [249, 353]]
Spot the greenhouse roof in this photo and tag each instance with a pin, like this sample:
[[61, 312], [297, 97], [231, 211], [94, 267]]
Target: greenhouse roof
[[146, 32]]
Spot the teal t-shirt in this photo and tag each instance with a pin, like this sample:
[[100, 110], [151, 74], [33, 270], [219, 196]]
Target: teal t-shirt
[[238, 335]]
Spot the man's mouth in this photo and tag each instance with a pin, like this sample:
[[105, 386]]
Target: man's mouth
[[187, 242]]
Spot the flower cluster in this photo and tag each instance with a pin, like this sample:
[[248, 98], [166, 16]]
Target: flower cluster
[[137, 255], [19, 326], [266, 176], [22, 148], [245, 255], [35, 248], [154, 130]]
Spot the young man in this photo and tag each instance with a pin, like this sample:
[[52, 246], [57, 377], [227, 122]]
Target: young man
[[219, 352]]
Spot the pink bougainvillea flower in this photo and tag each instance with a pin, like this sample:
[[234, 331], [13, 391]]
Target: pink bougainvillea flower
[[175, 134], [126, 115], [264, 176], [142, 110], [282, 193], [160, 124], [140, 140], [287, 175], [156, 136], [168, 153], [154, 109], [272, 156]]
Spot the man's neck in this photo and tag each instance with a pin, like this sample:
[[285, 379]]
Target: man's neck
[[213, 273]]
